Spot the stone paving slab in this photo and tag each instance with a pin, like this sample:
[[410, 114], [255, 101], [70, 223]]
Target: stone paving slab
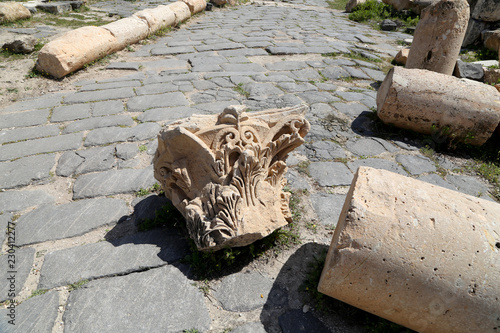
[[5, 218], [104, 306], [85, 161], [40, 146], [45, 102], [26, 171], [13, 277], [71, 112], [37, 314], [22, 119], [113, 182], [415, 164], [68, 220], [20, 134], [14, 201], [100, 95], [328, 207], [294, 321], [102, 136], [141, 103], [98, 122], [330, 173]]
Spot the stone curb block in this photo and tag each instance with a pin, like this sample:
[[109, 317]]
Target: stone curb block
[[417, 254], [79, 47]]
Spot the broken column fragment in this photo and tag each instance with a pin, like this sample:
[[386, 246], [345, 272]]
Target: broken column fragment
[[439, 36], [225, 173], [417, 254], [434, 103]]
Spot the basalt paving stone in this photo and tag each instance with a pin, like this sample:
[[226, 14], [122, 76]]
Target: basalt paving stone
[[44, 102], [415, 164], [218, 47], [312, 97], [98, 122], [243, 52], [253, 67], [287, 65], [68, 220], [99, 95], [328, 207], [28, 133], [334, 73], [356, 73], [126, 151], [387, 145], [377, 163], [437, 180], [324, 150], [5, 218], [272, 78], [375, 74], [294, 87], [71, 112], [339, 62], [130, 66], [255, 327], [261, 91], [285, 50], [330, 173], [296, 181], [110, 85], [145, 102], [138, 252], [242, 292], [40, 146], [365, 147], [107, 108], [18, 267], [351, 109], [104, 306], [468, 185], [23, 119], [107, 135], [26, 171], [306, 74], [294, 321], [113, 182], [14, 201], [85, 161], [37, 314], [350, 95], [156, 88], [164, 50]]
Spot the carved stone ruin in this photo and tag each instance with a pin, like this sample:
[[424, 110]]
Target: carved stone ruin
[[224, 172]]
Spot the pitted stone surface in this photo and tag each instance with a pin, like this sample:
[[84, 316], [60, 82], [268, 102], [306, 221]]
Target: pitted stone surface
[[37, 314], [113, 182], [20, 269], [328, 207], [162, 290], [68, 220], [330, 173], [14, 201], [26, 171]]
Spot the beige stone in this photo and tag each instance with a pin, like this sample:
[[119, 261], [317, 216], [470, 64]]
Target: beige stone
[[491, 39], [74, 49], [491, 75], [399, 4], [13, 11], [127, 31], [195, 6], [402, 56], [181, 11], [416, 254], [434, 103], [225, 173], [157, 18], [439, 36], [353, 3]]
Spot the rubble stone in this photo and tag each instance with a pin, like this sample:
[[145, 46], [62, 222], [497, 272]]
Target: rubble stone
[[13, 11]]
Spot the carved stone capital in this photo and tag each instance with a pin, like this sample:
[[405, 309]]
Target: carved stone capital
[[225, 173]]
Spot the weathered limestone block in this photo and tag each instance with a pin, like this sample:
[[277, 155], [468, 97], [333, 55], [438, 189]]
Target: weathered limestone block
[[429, 102], [491, 39], [439, 36], [195, 6], [225, 173], [181, 11], [128, 30], [417, 254], [486, 10], [13, 11], [473, 31], [157, 18], [402, 56], [74, 49]]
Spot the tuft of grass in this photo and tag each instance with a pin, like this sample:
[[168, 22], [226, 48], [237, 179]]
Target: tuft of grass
[[145, 191], [337, 4], [478, 53], [143, 148], [374, 11], [239, 89], [38, 292], [167, 215], [77, 285]]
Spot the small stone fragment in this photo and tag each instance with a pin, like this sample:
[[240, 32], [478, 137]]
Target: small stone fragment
[[402, 56], [388, 25], [22, 44]]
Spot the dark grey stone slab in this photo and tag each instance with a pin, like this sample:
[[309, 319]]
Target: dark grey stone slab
[[287, 65], [261, 91], [134, 253], [156, 88], [365, 147], [356, 73], [25, 171], [100, 95], [293, 87], [437, 180], [272, 78], [296, 181], [324, 149], [162, 290], [375, 74], [330, 173], [296, 321], [351, 95], [71, 112], [250, 328], [126, 151], [47, 101], [339, 62], [416, 164], [285, 50], [85, 161], [68, 220], [14, 201], [328, 207], [98, 122], [307, 74], [20, 269], [219, 46], [377, 163], [107, 135], [164, 50], [130, 66], [40, 146], [468, 185], [242, 52], [22, 119], [350, 109], [107, 107], [334, 72], [167, 114], [244, 291], [312, 97], [468, 70], [252, 67], [113, 182], [55, 7], [37, 314], [142, 103], [5, 218], [28, 133]]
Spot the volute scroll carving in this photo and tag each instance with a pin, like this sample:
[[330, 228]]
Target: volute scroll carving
[[225, 173]]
